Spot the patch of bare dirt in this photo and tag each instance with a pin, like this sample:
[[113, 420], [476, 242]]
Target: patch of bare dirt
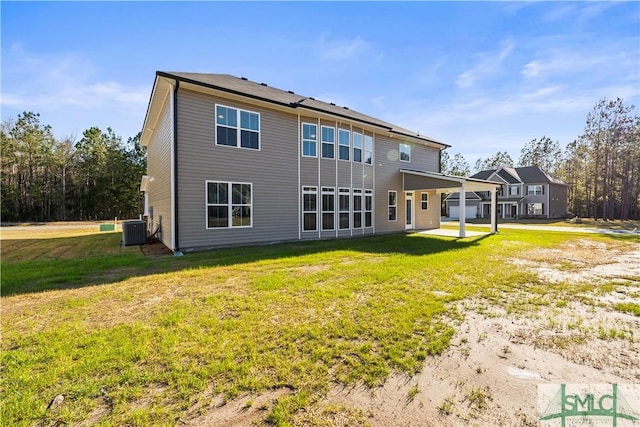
[[246, 410], [155, 249]]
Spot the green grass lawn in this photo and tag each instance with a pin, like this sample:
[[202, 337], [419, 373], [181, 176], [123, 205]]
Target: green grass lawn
[[135, 340]]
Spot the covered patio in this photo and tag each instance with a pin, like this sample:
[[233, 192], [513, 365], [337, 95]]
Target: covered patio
[[413, 180]]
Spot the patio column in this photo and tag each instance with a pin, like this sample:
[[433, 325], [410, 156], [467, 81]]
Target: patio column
[[494, 211], [463, 211]]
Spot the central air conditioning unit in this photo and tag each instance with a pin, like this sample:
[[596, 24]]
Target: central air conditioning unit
[[134, 233]]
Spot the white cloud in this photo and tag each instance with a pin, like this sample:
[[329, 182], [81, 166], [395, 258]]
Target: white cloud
[[54, 81], [71, 91], [487, 64], [341, 49]]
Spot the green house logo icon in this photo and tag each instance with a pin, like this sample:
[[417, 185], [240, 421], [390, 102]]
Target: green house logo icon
[[588, 406]]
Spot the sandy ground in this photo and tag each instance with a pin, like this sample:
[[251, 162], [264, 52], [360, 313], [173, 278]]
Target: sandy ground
[[490, 374]]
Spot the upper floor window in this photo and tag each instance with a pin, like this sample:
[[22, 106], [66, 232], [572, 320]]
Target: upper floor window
[[344, 137], [534, 190], [368, 149], [246, 135], [514, 190], [357, 147], [309, 140], [229, 204], [405, 152], [328, 142]]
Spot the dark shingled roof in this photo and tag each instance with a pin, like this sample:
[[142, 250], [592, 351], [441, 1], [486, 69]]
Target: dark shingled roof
[[525, 174], [263, 92]]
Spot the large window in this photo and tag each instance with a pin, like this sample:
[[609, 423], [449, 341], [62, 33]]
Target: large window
[[309, 208], [343, 208], [328, 142], [534, 190], [309, 140], [405, 152], [227, 129], [368, 149], [535, 208], [328, 208], [344, 137], [514, 190], [393, 205], [357, 208], [424, 201], [229, 210], [368, 208], [357, 147]]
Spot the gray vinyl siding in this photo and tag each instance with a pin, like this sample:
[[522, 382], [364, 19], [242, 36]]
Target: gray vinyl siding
[[159, 172], [271, 170], [557, 200], [388, 177]]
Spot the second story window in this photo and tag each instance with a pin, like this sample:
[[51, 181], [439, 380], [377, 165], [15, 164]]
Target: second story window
[[237, 128], [514, 190], [368, 149], [534, 190], [357, 147], [405, 152], [328, 142], [309, 140], [344, 137]]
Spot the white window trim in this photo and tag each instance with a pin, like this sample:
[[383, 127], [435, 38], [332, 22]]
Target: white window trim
[[324, 191], [392, 206], [322, 142], [401, 144], [238, 128], [354, 193], [368, 193], [423, 201], [344, 191], [365, 151], [354, 148], [348, 146], [229, 204], [309, 189], [534, 191], [302, 140]]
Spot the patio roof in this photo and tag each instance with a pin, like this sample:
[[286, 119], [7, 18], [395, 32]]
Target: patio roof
[[420, 180]]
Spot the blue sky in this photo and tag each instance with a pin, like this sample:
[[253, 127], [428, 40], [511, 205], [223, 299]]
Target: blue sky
[[480, 76]]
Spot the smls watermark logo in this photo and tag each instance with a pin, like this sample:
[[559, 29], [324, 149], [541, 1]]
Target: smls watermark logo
[[573, 405]]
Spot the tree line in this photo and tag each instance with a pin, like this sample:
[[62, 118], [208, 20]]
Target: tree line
[[47, 179], [97, 177], [601, 166]]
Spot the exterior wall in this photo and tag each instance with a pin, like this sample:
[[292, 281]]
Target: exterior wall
[[271, 171], [277, 172], [557, 200], [431, 217], [539, 198], [388, 178], [159, 172]]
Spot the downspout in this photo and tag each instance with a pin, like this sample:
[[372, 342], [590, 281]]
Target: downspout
[[175, 169]]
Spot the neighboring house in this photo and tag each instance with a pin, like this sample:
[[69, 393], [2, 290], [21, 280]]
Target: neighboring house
[[525, 192], [233, 162]]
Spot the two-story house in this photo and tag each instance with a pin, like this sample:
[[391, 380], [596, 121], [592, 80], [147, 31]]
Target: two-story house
[[525, 192], [234, 162]]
